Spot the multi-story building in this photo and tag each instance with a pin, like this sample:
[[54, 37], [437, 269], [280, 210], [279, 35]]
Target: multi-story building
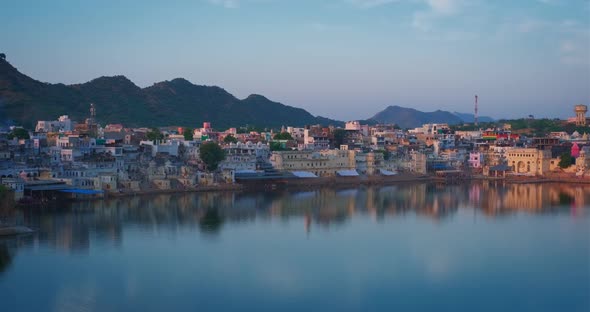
[[325, 163], [62, 124], [316, 139], [529, 161], [244, 156], [417, 162], [368, 163], [475, 160]]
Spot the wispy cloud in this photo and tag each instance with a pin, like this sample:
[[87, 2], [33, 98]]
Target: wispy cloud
[[574, 53], [530, 25], [444, 6], [230, 4], [552, 2], [370, 3], [567, 46], [437, 9], [570, 38]]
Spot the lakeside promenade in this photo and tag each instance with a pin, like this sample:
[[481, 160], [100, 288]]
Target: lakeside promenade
[[303, 184], [314, 183]]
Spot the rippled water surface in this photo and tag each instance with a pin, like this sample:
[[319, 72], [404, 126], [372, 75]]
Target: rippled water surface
[[420, 247]]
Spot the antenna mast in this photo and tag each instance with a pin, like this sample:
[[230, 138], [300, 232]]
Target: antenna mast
[[475, 115]]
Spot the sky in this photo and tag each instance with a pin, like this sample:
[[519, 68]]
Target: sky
[[343, 59]]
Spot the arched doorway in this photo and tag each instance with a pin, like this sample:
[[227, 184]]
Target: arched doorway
[[521, 167]]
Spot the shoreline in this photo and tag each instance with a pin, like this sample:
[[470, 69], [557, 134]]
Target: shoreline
[[314, 183]]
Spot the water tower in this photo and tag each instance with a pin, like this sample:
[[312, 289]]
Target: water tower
[[581, 114]]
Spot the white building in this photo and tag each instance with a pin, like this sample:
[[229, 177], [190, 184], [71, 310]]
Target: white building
[[243, 156], [430, 128], [15, 184], [297, 134], [62, 124], [169, 147]]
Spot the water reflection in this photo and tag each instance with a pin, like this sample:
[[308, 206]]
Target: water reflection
[[71, 227], [5, 258], [473, 247]]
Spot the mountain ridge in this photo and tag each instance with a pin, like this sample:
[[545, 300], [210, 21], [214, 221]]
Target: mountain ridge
[[411, 118], [119, 100], [25, 100]]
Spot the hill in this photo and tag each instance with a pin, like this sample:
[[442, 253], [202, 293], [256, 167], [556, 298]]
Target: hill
[[470, 118], [411, 118], [25, 100]]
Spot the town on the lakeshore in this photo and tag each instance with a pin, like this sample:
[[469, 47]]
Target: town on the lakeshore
[[63, 158]]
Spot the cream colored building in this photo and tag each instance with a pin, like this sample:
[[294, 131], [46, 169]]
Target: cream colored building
[[369, 163], [417, 162], [580, 111], [529, 161], [324, 163], [582, 162]]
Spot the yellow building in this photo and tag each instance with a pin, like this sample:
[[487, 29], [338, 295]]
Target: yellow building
[[529, 161], [323, 163]]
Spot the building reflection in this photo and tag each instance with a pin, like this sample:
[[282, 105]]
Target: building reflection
[[75, 227]]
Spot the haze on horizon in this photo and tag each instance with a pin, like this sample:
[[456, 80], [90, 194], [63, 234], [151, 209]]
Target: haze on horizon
[[343, 59]]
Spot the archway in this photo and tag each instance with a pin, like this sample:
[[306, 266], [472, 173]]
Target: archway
[[521, 167]]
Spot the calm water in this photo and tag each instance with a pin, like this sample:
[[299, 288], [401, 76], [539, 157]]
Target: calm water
[[404, 248]]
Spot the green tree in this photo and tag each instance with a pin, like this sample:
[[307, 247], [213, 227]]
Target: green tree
[[188, 134], [283, 136], [230, 139], [19, 133], [276, 146], [386, 154], [566, 160], [211, 154], [154, 134]]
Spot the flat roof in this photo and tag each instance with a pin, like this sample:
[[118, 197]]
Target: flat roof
[[347, 173], [48, 187], [82, 191]]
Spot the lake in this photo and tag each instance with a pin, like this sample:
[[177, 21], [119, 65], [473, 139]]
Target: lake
[[414, 247]]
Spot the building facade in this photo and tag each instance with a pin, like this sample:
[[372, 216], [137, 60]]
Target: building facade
[[529, 161], [325, 163]]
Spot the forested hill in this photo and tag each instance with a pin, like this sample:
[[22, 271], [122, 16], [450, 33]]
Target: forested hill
[[25, 100]]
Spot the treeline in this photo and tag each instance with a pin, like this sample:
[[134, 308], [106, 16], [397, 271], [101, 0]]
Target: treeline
[[532, 127]]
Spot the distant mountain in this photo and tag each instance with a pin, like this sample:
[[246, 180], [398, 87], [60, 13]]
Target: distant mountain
[[471, 118], [118, 100], [411, 118]]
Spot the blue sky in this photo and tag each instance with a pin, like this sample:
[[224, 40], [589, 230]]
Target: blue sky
[[345, 59]]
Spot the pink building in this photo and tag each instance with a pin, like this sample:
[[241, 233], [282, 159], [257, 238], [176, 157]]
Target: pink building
[[475, 160], [575, 150]]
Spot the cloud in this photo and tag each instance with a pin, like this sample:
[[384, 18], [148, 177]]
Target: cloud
[[574, 53], [530, 25], [567, 47], [229, 4], [437, 10], [444, 7], [366, 4]]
